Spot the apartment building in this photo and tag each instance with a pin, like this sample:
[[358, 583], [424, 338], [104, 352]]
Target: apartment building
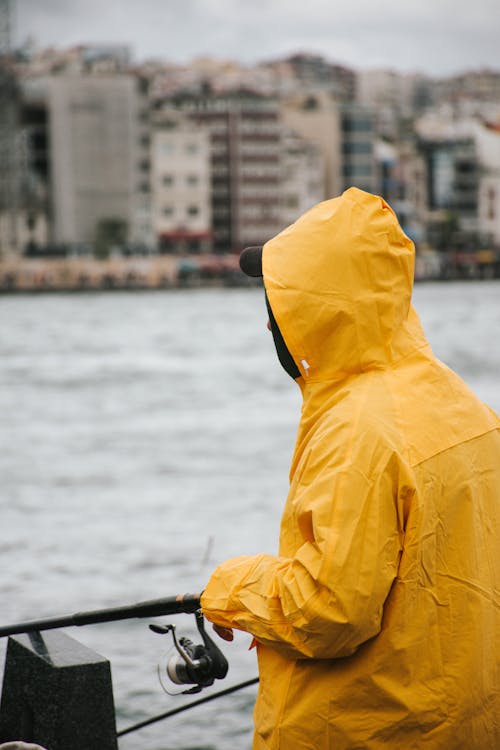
[[474, 85], [452, 186], [302, 176], [394, 98], [317, 118], [94, 155], [181, 210], [358, 143], [401, 179], [344, 132], [245, 134], [9, 176], [487, 140]]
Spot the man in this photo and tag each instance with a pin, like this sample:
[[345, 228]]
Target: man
[[378, 623]]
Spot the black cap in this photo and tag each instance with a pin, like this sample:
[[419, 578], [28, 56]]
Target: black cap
[[251, 261]]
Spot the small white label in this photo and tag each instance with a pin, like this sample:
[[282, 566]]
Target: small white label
[[305, 365]]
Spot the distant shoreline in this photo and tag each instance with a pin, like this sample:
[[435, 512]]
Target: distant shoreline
[[76, 274], [170, 272]]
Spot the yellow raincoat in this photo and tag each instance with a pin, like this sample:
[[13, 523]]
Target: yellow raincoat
[[378, 623]]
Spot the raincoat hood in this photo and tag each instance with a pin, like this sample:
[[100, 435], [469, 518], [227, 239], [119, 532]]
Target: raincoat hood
[[339, 282]]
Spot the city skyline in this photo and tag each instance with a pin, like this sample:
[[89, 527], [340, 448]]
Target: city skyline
[[413, 37]]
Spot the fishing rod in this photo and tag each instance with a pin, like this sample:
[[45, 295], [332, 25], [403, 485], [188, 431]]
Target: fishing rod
[[186, 707], [197, 665], [171, 605]]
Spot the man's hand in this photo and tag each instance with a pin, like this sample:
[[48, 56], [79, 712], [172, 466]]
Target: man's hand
[[224, 633]]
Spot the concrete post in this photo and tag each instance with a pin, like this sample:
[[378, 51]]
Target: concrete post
[[57, 693]]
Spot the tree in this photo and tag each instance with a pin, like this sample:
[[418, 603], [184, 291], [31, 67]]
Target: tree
[[110, 233]]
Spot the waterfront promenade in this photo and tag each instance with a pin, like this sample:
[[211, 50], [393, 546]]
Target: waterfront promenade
[[136, 272], [81, 273]]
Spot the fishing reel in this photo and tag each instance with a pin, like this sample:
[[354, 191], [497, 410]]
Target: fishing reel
[[193, 664]]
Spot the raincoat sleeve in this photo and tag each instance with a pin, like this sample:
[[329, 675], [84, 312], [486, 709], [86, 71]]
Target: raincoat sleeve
[[344, 520]]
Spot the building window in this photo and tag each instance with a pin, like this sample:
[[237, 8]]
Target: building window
[[357, 170], [191, 148], [353, 147], [442, 176], [167, 148], [491, 204], [192, 180], [357, 124], [168, 180], [193, 210], [292, 201], [168, 210]]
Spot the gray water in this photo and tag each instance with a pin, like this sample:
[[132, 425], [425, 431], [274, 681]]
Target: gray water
[[145, 438]]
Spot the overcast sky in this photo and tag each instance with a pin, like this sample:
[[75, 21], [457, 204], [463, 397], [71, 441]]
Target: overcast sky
[[437, 37]]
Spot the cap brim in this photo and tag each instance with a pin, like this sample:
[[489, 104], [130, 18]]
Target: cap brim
[[251, 261]]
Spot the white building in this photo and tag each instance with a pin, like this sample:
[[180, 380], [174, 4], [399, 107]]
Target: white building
[[488, 149], [447, 133], [180, 184], [317, 118], [393, 96], [302, 176]]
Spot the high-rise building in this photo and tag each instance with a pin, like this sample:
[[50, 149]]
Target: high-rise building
[[9, 115], [345, 134], [449, 152], [452, 170], [180, 184], [316, 117], [9, 169], [358, 141], [34, 166], [487, 140], [302, 176], [94, 155], [245, 134], [394, 98], [401, 181]]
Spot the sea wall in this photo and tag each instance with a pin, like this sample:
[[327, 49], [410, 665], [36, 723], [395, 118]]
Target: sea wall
[[75, 273], [150, 272]]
